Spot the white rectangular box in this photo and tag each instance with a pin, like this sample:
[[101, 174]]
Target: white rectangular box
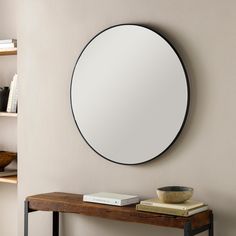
[[111, 198]]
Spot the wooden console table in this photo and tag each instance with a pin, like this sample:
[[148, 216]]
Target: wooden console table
[[73, 203]]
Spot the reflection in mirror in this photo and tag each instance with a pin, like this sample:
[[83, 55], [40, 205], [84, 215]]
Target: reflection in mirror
[[129, 94]]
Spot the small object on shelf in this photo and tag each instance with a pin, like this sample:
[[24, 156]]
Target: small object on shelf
[[171, 211], [6, 158], [111, 198], [4, 93], [174, 194]]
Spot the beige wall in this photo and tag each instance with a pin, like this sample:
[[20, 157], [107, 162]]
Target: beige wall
[[8, 14], [8, 128], [54, 157]]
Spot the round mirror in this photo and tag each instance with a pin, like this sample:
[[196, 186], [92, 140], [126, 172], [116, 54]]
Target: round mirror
[[129, 94]]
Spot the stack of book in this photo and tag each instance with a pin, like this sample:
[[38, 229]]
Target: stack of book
[[8, 45], [186, 209]]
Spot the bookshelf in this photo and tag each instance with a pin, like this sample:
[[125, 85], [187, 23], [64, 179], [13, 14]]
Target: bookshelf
[[9, 179], [8, 52]]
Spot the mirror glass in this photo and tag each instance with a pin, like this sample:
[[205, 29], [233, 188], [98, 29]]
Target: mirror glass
[[129, 94]]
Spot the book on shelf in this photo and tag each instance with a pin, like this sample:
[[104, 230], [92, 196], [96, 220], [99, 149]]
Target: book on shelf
[[171, 211], [111, 198], [5, 41], [7, 45], [190, 204], [13, 96], [8, 49], [8, 172]]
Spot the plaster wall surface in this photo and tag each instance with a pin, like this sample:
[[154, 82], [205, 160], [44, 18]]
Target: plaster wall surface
[[54, 157]]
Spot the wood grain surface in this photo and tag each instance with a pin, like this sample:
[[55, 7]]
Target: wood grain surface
[[73, 203]]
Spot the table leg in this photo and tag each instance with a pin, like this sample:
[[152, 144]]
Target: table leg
[[55, 223], [26, 219], [211, 228], [188, 229]]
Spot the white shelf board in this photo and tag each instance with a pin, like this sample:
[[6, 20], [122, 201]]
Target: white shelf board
[[8, 114]]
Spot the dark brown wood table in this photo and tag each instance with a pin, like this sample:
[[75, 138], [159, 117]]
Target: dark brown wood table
[[73, 203]]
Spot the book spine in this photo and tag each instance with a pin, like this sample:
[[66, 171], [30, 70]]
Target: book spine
[[12, 99], [7, 45], [197, 210], [168, 211], [155, 204], [130, 201], [175, 206], [107, 201], [15, 95], [4, 41], [9, 103], [161, 210]]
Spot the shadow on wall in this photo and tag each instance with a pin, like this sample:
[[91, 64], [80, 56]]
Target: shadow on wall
[[93, 226]]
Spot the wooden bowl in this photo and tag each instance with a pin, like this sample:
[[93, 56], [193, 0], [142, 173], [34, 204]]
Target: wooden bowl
[[6, 158], [174, 194]]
